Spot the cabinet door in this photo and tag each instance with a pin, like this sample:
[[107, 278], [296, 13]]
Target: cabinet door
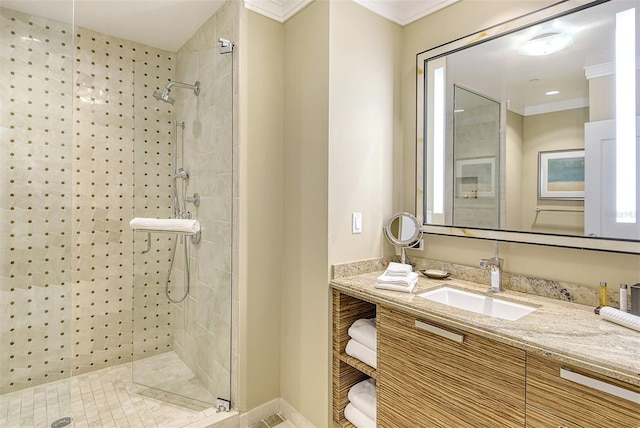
[[549, 387], [426, 380], [538, 419]]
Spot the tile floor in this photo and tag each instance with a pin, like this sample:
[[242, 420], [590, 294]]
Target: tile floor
[[106, 398]]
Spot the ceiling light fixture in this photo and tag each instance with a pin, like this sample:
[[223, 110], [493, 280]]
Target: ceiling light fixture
[[546, 44], [554, 92]]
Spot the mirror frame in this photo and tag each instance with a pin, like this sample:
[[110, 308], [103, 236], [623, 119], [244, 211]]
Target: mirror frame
[[556, 240]]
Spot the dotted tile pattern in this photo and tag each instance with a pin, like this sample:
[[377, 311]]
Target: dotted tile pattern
[[67, 121], [36, 189]]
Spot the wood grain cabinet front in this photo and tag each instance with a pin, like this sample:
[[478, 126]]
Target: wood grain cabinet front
[[433, 376], [582, 397], [537, 418]]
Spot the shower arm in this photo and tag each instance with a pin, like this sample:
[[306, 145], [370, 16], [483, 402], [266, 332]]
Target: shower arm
[[196, 87]]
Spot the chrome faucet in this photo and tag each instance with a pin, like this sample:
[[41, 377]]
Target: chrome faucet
[[494, 265]]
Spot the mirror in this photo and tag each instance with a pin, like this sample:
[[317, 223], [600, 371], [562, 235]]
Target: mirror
[[517, 133], [403, 230]]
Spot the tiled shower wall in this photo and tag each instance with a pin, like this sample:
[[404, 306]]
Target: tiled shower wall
[[67, 196]]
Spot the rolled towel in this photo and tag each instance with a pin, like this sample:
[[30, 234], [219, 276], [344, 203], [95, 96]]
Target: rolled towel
[[361, 352], [619, 317], [363, 396], [168, 225], [357, 418], [364, 331], [398, 269]]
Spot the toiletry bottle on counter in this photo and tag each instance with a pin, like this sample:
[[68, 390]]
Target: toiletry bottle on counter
[[604, 298], [623, 297], [635, 299]]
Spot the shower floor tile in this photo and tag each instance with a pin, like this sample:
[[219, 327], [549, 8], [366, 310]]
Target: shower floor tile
[[105, 398]]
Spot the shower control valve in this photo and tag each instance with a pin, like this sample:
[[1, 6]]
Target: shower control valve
[[195, 199]]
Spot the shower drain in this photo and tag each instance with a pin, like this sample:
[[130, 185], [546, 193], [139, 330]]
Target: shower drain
[[62, 422]]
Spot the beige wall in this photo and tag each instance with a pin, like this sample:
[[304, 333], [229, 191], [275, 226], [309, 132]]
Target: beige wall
[[260, 200], [570, 265], [547, 132], [364, 117], [305, 309]]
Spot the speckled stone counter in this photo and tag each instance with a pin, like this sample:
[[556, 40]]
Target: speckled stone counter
[[564, 331]]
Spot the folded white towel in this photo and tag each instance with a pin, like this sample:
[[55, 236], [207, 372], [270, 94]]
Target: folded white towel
[[399, 280], [364, 331], [357, 418], [619, 317], [393, 287], [398, 269], [175, 225], [363, 396], [361, 352]]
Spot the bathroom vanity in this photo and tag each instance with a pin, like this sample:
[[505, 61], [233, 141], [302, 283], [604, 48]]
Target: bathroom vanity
[[442, 366]]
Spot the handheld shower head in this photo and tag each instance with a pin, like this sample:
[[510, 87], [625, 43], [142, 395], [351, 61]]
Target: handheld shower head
[[164, 96], [181, 173]]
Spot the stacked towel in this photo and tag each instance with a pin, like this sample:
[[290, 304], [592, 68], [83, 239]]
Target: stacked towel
[[364, 331], [361, 410], [362, 344], [361, 352], [398, 277]]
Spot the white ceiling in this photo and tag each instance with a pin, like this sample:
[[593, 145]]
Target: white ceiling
[[168, 24]]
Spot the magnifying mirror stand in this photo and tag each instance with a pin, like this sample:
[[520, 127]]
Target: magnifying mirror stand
[[404, 231]]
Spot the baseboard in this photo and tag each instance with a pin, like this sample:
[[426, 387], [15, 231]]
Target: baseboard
[[276, 406]]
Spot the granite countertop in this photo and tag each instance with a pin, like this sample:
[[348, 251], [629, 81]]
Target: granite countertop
[[565, 331]]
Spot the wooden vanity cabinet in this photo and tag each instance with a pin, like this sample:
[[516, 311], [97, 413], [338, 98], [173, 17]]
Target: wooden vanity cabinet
[[550, 389], [445, 378]]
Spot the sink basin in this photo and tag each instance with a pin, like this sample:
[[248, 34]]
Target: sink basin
[[478, 303]]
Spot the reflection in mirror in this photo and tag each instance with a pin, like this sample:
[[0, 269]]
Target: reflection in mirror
[[531, 127], [403, 230]]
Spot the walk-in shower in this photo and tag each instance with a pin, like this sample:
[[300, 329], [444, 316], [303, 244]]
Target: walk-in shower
[[85, 321]]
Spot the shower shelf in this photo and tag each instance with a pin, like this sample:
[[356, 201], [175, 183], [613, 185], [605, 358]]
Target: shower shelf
[[186, 227]]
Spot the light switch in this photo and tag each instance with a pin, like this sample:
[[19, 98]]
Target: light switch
[[356, 223]]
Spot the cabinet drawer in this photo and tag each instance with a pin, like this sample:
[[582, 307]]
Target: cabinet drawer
[[536, 418], [587, 406], [427, 380]]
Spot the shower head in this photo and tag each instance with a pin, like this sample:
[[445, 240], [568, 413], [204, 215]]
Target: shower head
[[164, 95]]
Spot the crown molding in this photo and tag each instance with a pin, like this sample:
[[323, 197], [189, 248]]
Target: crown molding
[[279, 10], [402, 12]]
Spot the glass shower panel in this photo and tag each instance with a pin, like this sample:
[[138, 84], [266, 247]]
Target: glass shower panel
[[476, 134], [36, 179], [184, 348]]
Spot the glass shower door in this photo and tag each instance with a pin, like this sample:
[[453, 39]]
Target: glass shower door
[[184, 349]]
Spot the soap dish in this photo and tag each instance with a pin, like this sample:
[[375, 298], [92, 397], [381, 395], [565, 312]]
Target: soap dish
[[435, 274]]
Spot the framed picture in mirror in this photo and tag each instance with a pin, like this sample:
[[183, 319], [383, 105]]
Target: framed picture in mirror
[[561, 174]]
